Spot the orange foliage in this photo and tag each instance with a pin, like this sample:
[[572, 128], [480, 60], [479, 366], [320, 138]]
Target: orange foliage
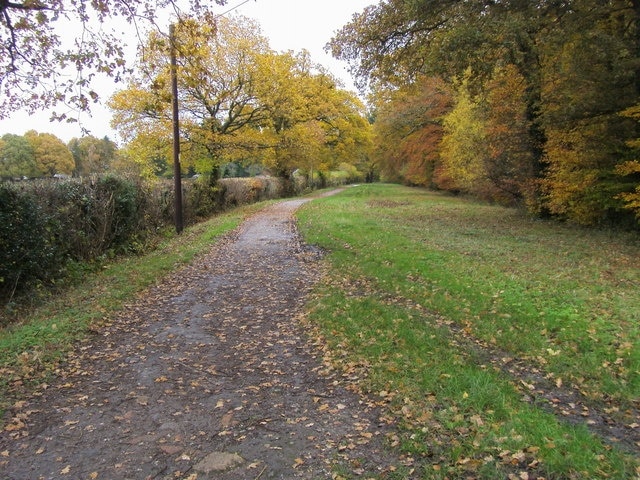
[[409, 131]]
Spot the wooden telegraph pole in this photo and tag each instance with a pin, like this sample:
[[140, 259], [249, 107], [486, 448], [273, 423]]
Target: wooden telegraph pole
[[177, 174]]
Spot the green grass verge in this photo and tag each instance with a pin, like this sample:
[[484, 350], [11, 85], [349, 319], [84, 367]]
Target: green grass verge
[[31, 349], [564, 299]]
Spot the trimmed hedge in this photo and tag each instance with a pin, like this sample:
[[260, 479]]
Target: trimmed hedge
[[28, 251], [48, 225]]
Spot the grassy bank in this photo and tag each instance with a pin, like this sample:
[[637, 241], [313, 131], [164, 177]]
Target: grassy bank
[[31, 349], [415, 276]]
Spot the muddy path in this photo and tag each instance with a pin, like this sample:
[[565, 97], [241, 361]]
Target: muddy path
[[207, 375], [211, 375]]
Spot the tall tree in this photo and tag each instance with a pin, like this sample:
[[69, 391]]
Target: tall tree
[[239, 99], [92, 155], [464, 147], [577, 64], [42, 63], [589, 77], [51, 154], [217, 84], [301, 96], [17, 157], [509, 162], [409, 130], [630, 169]]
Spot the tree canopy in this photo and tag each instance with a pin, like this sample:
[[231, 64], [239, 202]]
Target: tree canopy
[[51, 154], [17, 157], [239, 100], [546, 95], [42, 65]]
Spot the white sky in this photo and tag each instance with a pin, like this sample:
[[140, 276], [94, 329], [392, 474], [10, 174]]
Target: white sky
[[289, 25]]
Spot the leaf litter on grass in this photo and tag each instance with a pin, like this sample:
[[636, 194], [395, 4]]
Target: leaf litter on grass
[[210, 362]]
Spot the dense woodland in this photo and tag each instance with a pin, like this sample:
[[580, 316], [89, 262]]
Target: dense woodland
[[530, 103]]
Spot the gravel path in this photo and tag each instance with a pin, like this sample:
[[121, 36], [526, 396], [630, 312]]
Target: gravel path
[[208, 375]]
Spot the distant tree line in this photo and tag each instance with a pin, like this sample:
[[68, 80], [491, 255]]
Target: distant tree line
[[533, 103], [35, 155]]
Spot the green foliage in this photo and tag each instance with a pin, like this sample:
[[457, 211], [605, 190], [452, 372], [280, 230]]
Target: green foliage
[[17, 157], [53, 230], [28, 250], [48, 226], [31, 348]]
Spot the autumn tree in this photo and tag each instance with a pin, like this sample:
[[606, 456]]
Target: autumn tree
[[395, 41], [217, 85], [240, 101], [42, 64], [408, 131], [464, 147], [509, 164], [51, 154], [17, 157], [630, 169], [312, 123], [588, 79], [573, 67], [92, 155]]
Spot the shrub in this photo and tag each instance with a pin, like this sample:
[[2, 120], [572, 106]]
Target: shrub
[[28, 252], [240, 191], [202, 198]]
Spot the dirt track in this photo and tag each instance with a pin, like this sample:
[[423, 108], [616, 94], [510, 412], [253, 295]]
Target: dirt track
[[208, 375]]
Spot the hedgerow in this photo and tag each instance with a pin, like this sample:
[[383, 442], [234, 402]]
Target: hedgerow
[[47, 227]]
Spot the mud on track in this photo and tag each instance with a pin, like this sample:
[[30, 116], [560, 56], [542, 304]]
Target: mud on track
[[208, 375]]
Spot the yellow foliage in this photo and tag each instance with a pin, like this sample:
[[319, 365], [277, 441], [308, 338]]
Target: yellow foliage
[[463, 144], [631, 199]]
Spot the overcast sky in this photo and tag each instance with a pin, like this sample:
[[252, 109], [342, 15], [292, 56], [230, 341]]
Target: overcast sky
[[289, 25]]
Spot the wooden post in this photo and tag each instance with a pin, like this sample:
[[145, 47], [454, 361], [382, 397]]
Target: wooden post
[[177, 173]]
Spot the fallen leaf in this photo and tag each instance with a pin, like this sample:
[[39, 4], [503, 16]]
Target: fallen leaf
[[15, 425], [65, 470]]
